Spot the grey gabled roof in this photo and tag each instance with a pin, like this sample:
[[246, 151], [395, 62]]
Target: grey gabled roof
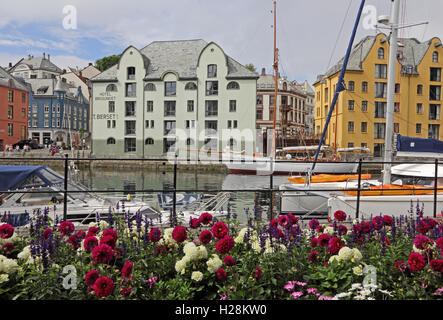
[[178, 56], [39, 63], [15, 83]]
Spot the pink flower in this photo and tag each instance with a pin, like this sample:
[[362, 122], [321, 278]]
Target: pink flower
[[152, 281], [296, 294], [422, 242], [283, 220], [301, 284], [311, 290], [325, 298], [400, 265], [289, 286]]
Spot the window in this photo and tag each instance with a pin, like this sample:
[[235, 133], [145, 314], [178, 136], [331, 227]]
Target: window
[[170, 88], [351, 105], [149, 106], [271, 100], [210, 127], [131, 73], [111, 106], [326, 94], [433, 131], [364, 127], [10, 129], [211, 88], [434, 112], [350, 126], [169, 109], [23, 112], [113, 123], [379, 130], [434, 92], [212, 71], [364, 106], [351, 86], [397, 88], [22, 132], [110, 141], [381, 71], [378, 149], [129, 127], [435, 74], [130, 108], [146, 124], [233, 85], [211, 108], [168, 145], [418, 128], [364, 86], [364, 145], [396, 106], [381, 53], [350, 144], [380, 110], [130, 145], [10, 96], [149, 141], [396, 127], [190, 106], [189, 142], [169, 127], [234, 124], [419, 89], [24, 97], [150, 87], [419, 108], [232, 143], [380, 90], [190, 86], [229, 124], [259, 100], [435, 56], [111, 87], [131, 90], [46, 108], [10, 112], [108, 124], [259, 114], [232, 105], [210, 144]]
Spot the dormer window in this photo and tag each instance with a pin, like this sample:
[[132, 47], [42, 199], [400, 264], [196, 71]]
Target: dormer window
[[150, 87], [111, 87], [435, 56], [233, 85], [381, 53], [212, 71], [131, 73], [190, 86]]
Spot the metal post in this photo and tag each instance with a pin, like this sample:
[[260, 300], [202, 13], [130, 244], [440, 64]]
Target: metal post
[[271, 186], [358, 191], [65, 192], [435, 188], [174, 200]]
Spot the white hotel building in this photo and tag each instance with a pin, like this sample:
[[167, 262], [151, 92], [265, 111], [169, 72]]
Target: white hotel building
[[173, 96]]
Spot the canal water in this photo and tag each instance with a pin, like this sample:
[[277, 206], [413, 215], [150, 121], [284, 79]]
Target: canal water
[[131, 180]]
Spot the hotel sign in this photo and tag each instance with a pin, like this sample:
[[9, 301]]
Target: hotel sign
[[105, 96], [106, 116]]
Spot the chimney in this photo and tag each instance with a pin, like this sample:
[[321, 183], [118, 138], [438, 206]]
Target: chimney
[[90, 63], [44, 57], [10, 64], [49, 56], [263, 71], [29, 57]]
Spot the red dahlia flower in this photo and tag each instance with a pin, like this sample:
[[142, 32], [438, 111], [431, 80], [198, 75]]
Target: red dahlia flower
[[335, 245], [80, 234], [387, 220], [6, 231], [46, 233], [340, 215], [91, 277], [110, 232], [229, 261], [219, 229], [342, 230], [102, 254], [400, 265], [205, 236], [194, 223], [221, 274], [313, 256], [257, 273], [283, 221], [90, 243], [439, 242], [377, 222], [422, 242], [125, 291], [224, 245], [109, 240], [127, 269], [8, 247], [155, 235], [313, 224], [423, 227], [179, 234], [103, 287], [323, 240], [293, 218], [437, 265], [94, 230], [273, 223], [314, 242], [416, 261], [74, 241], [205, 218], [66, 228]]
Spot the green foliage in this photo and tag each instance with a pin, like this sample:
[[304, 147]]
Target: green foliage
[[250, 67], [107, 62]]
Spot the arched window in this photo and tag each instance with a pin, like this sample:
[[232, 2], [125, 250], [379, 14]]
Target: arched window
[[131, 73], [149, 141], [381, 53], [233, 85], [111, 87], [435, 56], [190, 86], [419, 89], [150, 87], [232, 143], [110, 141], [285, 86]]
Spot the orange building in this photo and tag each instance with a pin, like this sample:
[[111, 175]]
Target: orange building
[[13, 110]]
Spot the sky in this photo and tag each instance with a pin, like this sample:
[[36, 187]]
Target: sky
[[312, 35]]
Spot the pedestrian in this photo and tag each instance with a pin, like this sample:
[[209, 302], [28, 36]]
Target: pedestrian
[[7, 147], [17, 148]]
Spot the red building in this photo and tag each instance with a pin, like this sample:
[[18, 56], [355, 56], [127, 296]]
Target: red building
[[13, 110]]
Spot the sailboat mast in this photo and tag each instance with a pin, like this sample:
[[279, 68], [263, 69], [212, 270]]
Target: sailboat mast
[[275, 80], [388, 156]]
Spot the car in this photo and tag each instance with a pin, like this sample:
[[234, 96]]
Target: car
[[31, 143]]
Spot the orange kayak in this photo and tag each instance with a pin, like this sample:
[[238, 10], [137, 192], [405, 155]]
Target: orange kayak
[[394, 190], [319, 178]]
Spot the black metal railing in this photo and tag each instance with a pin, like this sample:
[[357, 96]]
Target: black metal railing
[[175, 162]]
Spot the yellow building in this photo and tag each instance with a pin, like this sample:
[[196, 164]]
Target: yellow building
[[360, 114]]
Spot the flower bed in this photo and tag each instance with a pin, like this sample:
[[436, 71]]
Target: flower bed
[[384, 258]]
